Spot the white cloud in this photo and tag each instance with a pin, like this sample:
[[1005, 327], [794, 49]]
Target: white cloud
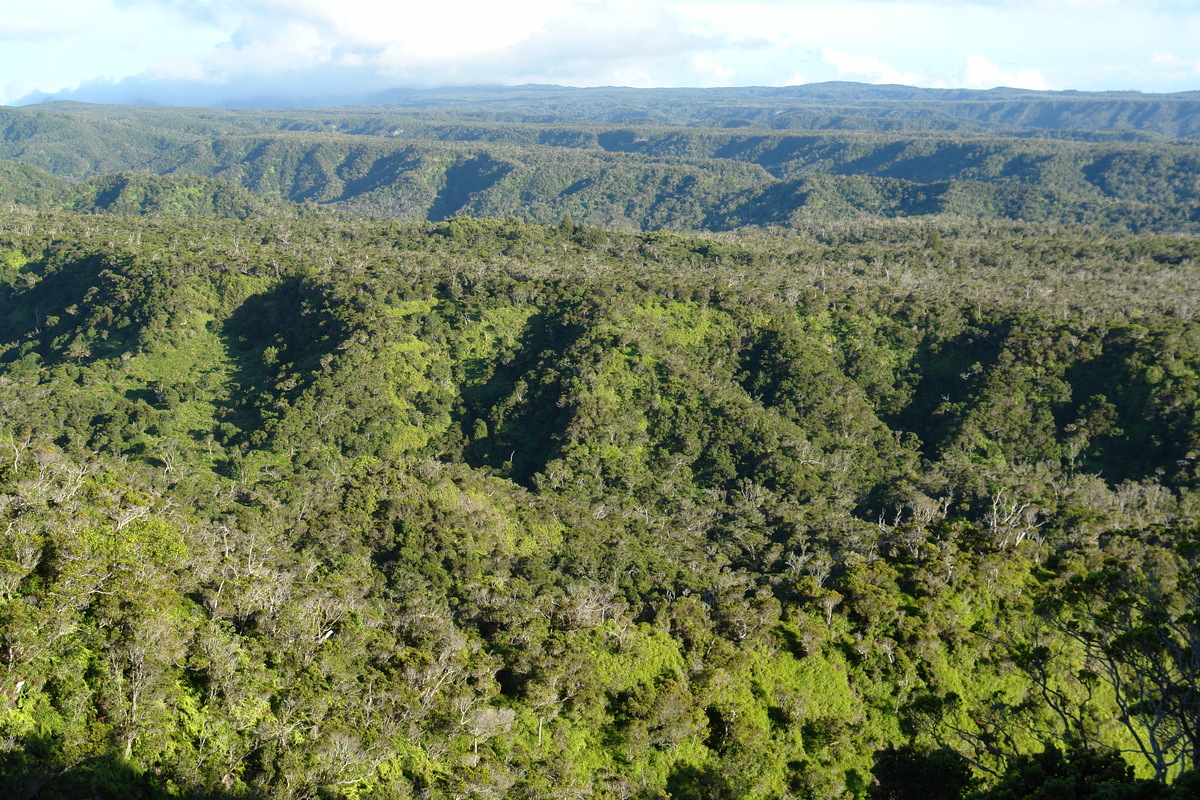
[[149, 46], [433, 32], [468, 40], [32, 30], [868, 69], [980, 73], [712, 72], [1080, 5], [270, 49], [1173, 64]]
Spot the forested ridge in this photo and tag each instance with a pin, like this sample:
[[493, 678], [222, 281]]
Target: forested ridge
[[485, 508], [822, 442], [684, 160]]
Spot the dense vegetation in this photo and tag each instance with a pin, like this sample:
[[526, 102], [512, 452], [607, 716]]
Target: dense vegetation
[[340, 459], [482, 508], [699, 160]]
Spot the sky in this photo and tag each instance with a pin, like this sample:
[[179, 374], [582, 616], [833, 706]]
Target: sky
[[247, 52]]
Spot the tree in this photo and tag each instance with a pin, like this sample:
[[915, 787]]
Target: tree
[[1079, 773], [1137, 622]]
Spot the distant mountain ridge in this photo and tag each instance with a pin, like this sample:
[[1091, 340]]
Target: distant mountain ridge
[[644, 159], [871, 106], [830, 105]]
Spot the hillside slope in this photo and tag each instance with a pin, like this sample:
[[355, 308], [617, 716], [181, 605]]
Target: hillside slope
[[651, 159], [341, 509]]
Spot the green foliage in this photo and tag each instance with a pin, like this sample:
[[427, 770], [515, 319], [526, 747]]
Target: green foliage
[[717, 159], [316, 508], [1078, 773]]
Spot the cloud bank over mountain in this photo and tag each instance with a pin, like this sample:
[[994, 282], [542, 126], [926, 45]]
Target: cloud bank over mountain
[[245, 52]]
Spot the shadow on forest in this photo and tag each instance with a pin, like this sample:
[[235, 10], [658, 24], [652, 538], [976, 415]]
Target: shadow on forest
[[72, 304], [950, 372], [774, 205], [275, 341], [463, 181], [521, 401], [384, 172], [28, 773], [1135, 424], [688, 782]]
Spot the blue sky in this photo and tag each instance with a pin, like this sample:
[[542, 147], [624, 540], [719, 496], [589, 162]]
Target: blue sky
[[210, 52]]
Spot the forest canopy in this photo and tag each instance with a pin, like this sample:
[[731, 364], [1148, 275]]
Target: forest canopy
[[448, 499], [683, 160]]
